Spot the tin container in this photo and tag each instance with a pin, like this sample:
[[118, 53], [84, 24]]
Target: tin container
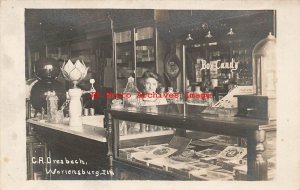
[[92, 111], [85, 111]]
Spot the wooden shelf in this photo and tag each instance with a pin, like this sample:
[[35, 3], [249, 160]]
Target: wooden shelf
[[145, 42], [123, 64], [92, 127], [122, 77], [124, 43], [145, 63]]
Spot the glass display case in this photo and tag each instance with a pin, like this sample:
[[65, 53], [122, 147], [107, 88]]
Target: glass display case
[[181, 142]]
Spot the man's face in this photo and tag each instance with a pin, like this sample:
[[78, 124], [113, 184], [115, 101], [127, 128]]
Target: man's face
[[150, 85]]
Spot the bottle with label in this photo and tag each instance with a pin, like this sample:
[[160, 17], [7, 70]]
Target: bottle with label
[[130, 94], [52, 106], [198, 70], [214, 73], [188, 91], [162, 90], [197, 96], [179, 99], [209, 97], [171, 93]]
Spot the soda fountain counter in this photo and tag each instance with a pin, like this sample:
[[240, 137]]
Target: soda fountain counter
[[188, 142]]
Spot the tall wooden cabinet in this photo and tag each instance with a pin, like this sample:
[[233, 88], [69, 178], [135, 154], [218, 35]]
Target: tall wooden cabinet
[[135, 52]]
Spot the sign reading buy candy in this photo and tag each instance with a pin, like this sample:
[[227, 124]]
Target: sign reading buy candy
[[232, 65]]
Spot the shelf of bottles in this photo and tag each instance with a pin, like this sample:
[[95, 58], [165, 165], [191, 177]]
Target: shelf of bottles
[[124, 58], [218, 67], [135, 54], [145, 50]]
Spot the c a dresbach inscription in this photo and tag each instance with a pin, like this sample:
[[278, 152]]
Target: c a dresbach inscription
[[66, 166]]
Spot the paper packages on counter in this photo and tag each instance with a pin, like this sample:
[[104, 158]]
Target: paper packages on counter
[[158, 152], [220, 175], [232, 153], [140, 157], [196, 168], [161, 152], [126, 153], [147, 148], [164, 163]]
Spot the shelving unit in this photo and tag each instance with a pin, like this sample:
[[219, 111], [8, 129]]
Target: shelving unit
[[135, 53]]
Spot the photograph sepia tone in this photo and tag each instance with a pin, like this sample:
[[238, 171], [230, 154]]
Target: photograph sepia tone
[[227, 56], [133, 95]]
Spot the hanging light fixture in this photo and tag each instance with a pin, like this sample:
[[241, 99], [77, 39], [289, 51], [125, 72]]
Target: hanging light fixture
[[189, 38], [230, 33], [208, 35]]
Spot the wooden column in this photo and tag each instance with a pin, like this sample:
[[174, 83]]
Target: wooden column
[[108, 125], [257, 166]]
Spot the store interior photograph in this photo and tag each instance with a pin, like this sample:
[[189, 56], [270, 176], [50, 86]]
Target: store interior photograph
[[145, 94]]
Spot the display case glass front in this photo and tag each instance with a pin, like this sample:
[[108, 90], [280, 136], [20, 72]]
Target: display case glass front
[[186, 154]]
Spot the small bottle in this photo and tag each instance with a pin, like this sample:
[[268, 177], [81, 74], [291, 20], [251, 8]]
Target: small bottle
[[198, 96], [143, 128], [52, 106], [179, 99], [43, 113], [188, 91], [170, 92], [208, 97], [198, 70], [130, 94]]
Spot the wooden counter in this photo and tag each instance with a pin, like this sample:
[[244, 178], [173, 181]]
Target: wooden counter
[[92, 128]]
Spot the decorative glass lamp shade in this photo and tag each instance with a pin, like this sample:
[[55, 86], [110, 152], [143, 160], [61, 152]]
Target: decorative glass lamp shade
[[264, 67], [74, 72]]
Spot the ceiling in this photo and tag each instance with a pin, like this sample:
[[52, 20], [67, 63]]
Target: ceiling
[[53, 25], [45, 26]]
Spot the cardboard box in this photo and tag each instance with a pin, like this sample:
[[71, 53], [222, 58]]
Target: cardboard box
[[195, 168], [126, 153]]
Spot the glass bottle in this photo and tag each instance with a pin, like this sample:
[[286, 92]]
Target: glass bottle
[[198, 96], [162, 90], [179, 99], [198, 70], [214, 73], [208, 97], [52, 106], [170, 92], [188, 91], [130, 94]]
